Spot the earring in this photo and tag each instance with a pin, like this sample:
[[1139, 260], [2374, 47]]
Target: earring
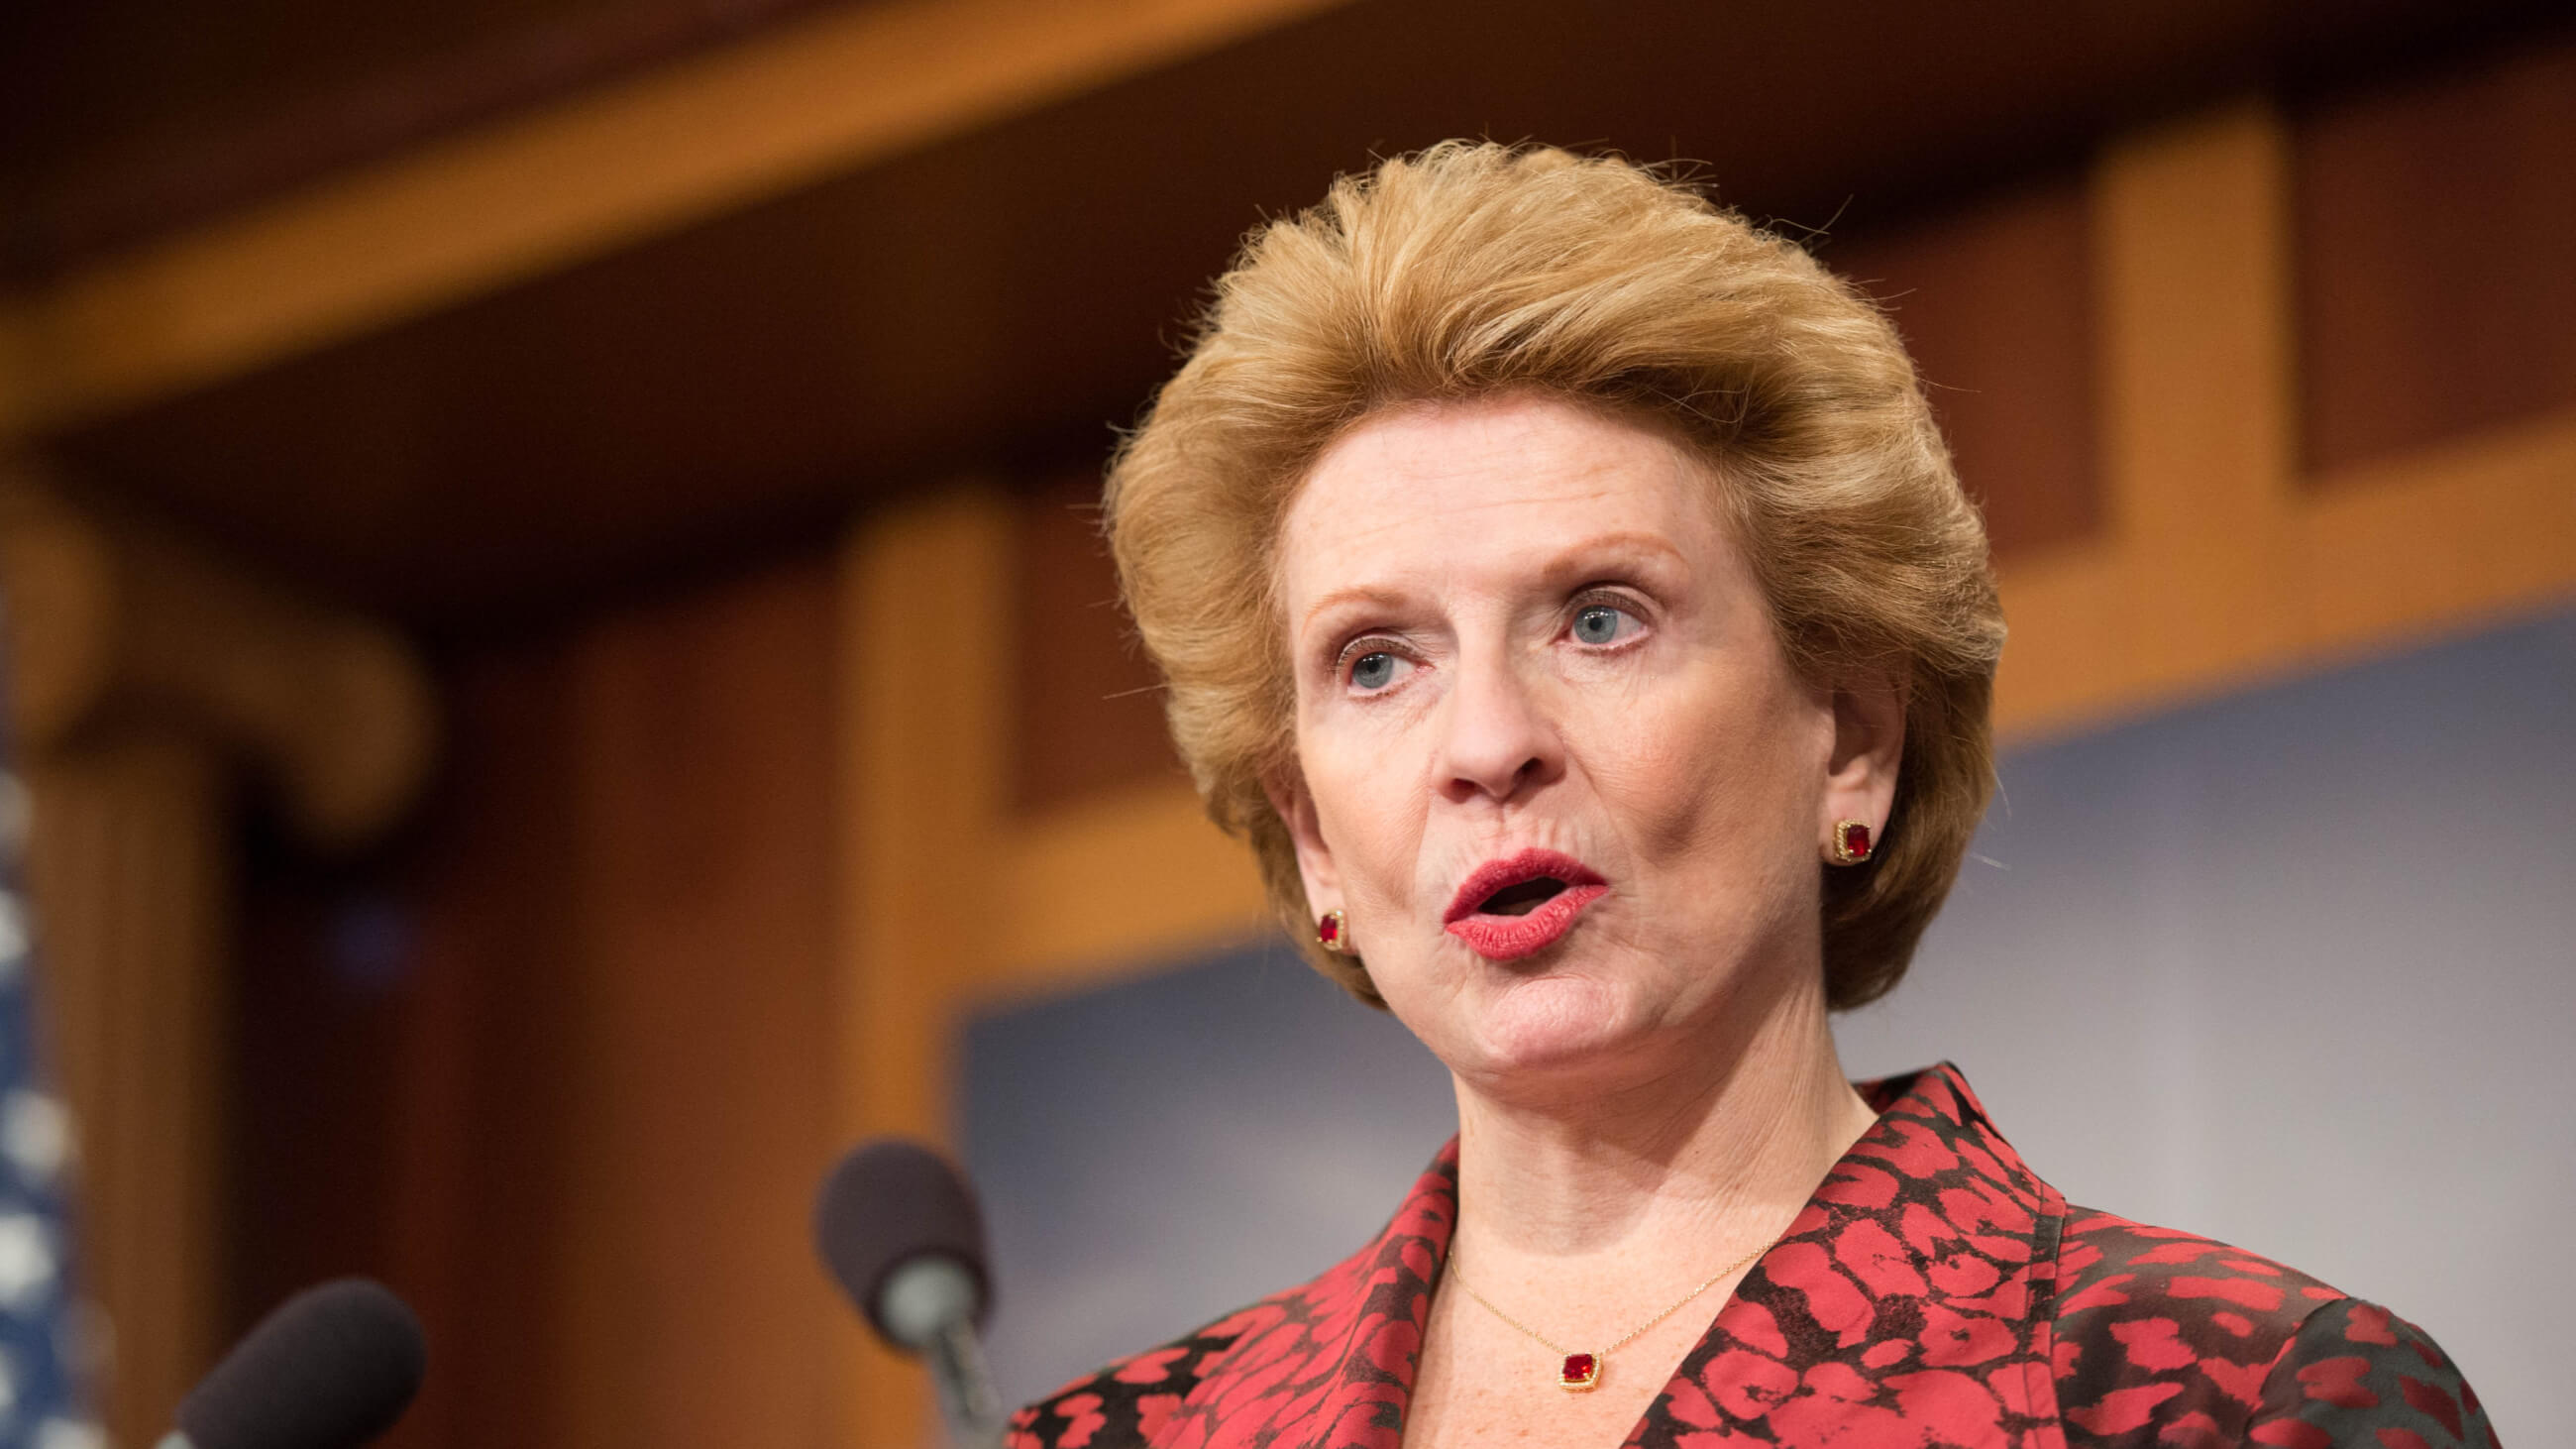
[[1333, 933], [1851, 842]]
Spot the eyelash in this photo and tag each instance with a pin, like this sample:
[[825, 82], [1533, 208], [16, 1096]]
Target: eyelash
[[1361, 648], [1606, 598], [1594, 597]]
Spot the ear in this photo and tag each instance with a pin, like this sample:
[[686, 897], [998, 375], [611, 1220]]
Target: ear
[[1869, 744], [1286, 788]]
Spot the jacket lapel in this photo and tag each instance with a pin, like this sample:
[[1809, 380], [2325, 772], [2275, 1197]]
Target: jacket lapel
[[1908, 1304], [1330, 1365]]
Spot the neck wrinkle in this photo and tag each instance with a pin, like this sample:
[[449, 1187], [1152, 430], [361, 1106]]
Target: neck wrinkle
[[1655, 1170]]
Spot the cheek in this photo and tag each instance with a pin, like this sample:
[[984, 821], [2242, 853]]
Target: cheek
[[1729, 770], [1368, 807]]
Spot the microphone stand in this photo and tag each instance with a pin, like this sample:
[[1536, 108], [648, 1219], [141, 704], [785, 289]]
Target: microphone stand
[[966, 1394]]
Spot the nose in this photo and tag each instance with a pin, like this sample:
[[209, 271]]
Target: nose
[[1498, 742]]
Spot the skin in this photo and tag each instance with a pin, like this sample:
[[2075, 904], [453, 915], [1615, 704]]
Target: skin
[[1656, 1094]]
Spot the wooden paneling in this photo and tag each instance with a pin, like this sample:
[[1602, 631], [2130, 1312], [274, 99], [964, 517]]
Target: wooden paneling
[[698, 1065], [1995, 298], [1088, 709], [2436, 277], [153, 687], [591, 1060], [2195, 364], [481, 210], [120, 118], [627, 348], [127, 869], [471, 1148], [1092, 888], [924, 634]]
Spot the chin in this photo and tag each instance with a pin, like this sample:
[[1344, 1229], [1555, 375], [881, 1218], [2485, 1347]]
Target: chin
[[1544, 1025]]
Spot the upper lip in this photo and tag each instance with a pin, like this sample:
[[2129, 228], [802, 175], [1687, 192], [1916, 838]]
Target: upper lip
[[1510, 870]]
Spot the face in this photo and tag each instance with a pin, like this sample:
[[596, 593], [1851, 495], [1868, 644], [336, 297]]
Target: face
[[1554, 766]]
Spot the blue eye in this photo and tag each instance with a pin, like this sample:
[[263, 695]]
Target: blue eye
[[1602, 624], [1373, 671]]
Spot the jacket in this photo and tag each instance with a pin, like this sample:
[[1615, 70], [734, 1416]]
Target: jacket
[[1934, 1292]]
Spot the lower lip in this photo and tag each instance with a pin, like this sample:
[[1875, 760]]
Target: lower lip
[[1509, 938]]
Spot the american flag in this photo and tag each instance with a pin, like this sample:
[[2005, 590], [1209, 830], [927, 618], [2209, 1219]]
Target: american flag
[[43, 1329]]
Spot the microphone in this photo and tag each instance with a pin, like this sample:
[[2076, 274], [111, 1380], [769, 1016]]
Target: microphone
[[330, 1368], [898, 1228]]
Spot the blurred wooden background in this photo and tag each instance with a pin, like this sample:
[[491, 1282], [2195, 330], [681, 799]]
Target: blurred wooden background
[[560, 638]]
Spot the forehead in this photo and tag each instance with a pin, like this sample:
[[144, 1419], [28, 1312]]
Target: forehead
[[1443, 486]]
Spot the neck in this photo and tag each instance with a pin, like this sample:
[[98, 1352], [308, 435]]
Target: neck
[[1715, 1150]]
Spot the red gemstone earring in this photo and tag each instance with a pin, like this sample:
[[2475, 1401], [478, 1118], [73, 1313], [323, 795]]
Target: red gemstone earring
[[1333, 933], [1851, 842]]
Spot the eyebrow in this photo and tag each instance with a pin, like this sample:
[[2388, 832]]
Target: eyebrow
[[1574, 559], [1571, 560], [1338, 598]]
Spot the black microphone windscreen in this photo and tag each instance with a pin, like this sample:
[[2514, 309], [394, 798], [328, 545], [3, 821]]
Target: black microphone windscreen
[[890, 1200], [331, 1367]]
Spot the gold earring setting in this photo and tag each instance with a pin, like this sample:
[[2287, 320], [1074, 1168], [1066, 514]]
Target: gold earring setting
[[1333, 933]]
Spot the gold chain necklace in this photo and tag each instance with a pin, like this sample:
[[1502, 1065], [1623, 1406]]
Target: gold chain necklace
[[1577, 1371]]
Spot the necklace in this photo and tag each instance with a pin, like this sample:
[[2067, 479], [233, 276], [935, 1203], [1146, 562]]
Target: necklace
[[1578, 1371]]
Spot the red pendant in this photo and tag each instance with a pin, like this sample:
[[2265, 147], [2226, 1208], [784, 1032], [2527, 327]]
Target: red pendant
[[1580, 1371]]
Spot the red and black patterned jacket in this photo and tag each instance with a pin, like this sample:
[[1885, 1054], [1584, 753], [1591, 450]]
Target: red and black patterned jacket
[[1934, 1292]]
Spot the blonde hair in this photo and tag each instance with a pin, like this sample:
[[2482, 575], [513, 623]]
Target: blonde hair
[[1475, 269]]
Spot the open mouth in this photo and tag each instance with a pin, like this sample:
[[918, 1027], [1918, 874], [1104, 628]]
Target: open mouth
[[1517, 884], [1521, 899], [1521, 904]]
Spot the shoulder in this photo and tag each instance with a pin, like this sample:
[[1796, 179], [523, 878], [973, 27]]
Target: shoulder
[[1351, 1331], [2166, 1334], [1253, 1361], [1129, 1402]]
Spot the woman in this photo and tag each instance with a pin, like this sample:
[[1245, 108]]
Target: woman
[[1563, 587]]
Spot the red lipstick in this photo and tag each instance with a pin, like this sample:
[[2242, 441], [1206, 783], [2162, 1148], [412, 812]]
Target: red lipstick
[[1519, 905]]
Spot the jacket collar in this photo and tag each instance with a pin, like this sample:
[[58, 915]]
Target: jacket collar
[[1909, 1301]]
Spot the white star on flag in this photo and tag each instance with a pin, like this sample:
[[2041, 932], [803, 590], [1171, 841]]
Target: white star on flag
[[26, 1259]]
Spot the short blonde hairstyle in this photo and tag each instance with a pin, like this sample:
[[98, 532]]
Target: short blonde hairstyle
[[1471, 270]]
